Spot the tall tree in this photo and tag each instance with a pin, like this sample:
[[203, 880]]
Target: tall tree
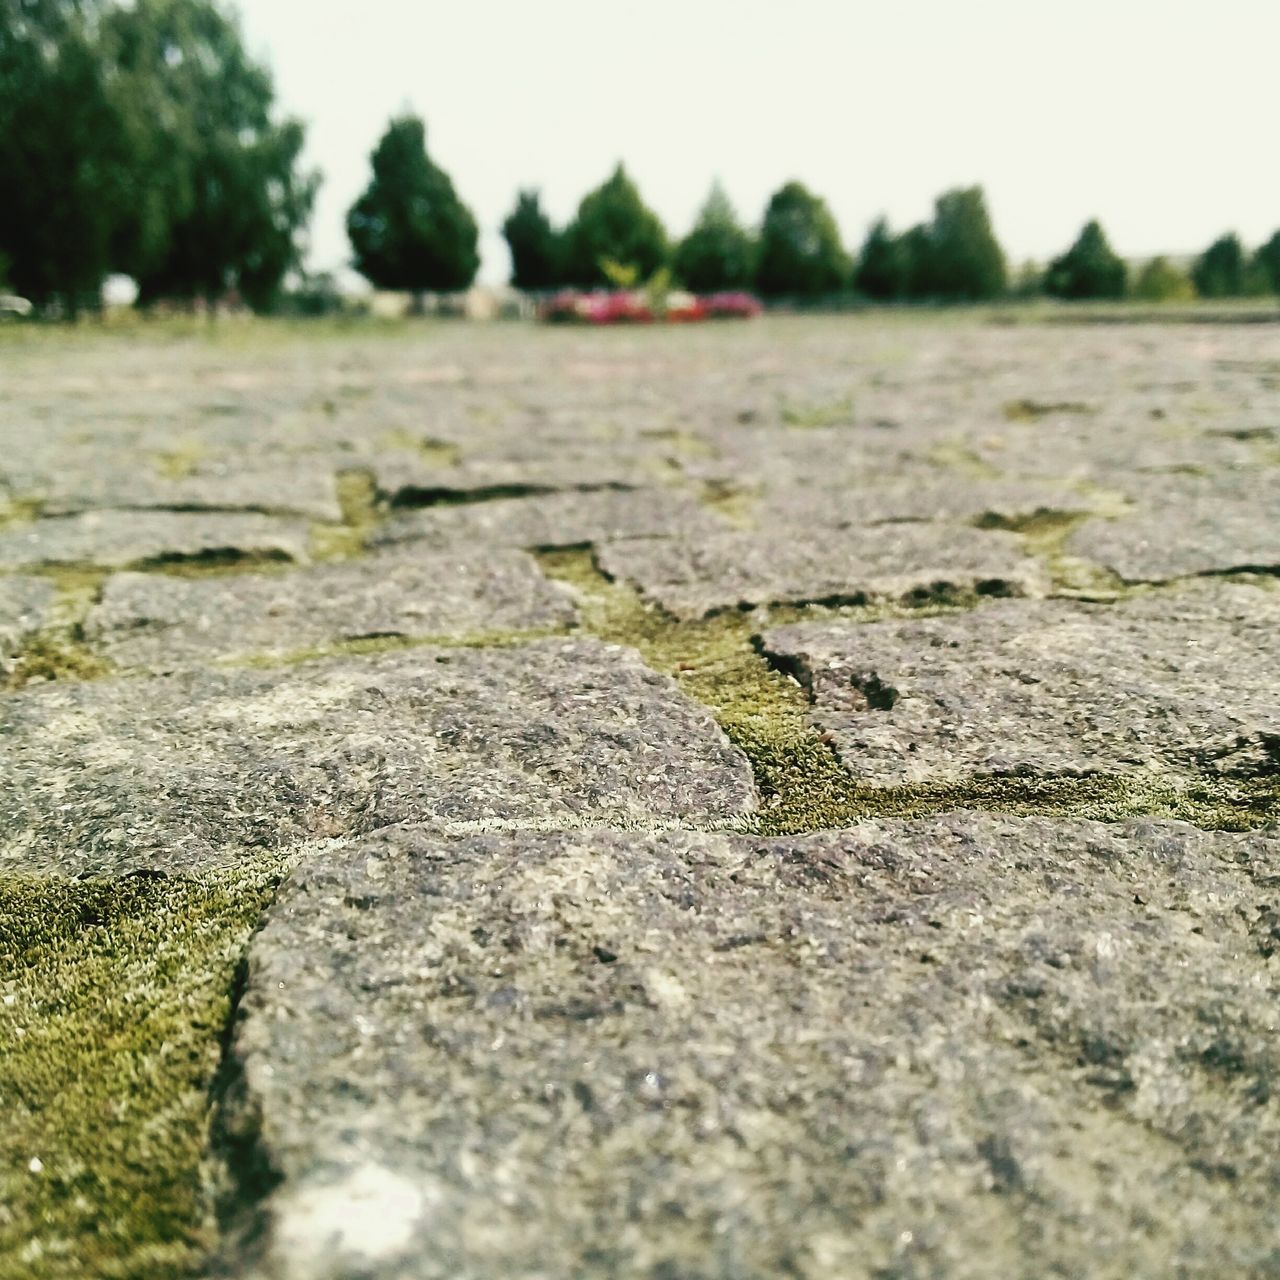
[[220, 197], [1266, 263], [719, 253], [966, 263], [1089, 269], [409, 229], [800, 249], [1219, 272], [534, 245], [59, 147], [613, 225], [884, 269]]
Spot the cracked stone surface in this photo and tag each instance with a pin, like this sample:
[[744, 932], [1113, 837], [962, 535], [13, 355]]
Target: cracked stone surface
[[963, 1046], [24, 608], [1180, 684], [1221, 523], [537, 999], [120, 539], [553, 520], [157, 621], [691, 578], [192, 770]]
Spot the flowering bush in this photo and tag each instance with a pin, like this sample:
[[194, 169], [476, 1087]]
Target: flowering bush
[[634, 306]]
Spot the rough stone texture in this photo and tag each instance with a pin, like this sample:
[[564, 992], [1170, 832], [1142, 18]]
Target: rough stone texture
[[121, 539], [1188, 525], [184, 771], [297, 490], [694, 577], [996, 501], [150, 620], [955, 1047], [553, 520], [24, 607], [1180, 683]]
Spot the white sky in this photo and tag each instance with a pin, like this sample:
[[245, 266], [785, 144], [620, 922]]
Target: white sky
[[1157, 116]]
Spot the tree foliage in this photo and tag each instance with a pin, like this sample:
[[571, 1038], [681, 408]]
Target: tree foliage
[[409, 230], [962, 260], [140, 138], [1219, 272], [1161, 281], [59, 146], [613, 224], [884, 268], [1089, 269], [800, 249], [534, 245], [719, 252], [1266, 263]]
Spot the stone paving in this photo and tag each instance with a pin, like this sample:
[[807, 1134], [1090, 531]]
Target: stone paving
[[497, 688]]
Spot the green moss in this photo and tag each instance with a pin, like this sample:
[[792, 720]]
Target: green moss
[[803, 785], [17, 511], [114, 998], [732, 502], [960, 457], [436, 453], [1045, 533], [358, 498], [180, 461], [60, 652], [1033, 410], [833, 413]]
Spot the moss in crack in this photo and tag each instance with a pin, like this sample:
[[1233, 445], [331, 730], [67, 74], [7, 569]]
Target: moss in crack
[[18, 511], [1045, 534], [435, 453], [733, 503], [60, 651], [361, 513], [114, 996], [802, 783], [833, 413]]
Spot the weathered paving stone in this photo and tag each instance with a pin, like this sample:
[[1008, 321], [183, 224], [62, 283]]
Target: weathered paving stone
[[157, 621], [997, 501], [24, 607], [1188, 525], [121, 539], [553, 519], [693, 577], [959, 1047], [188, 770], [1179, 683], [111, 482]]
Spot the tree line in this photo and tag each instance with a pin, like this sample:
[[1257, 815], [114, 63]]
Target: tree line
[[143, 139]]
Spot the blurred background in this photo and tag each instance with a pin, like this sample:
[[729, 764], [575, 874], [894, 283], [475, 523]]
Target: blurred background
[[200, 150]]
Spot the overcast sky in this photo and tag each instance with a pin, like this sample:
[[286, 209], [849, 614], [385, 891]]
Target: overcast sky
[[1160, 118]]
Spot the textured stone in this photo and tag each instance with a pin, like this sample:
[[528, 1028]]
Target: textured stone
[[957, 1047], [183, 771], [24, 607], [1188, 525], [553, 519], [991, 501], [157, 621], [1179, 683], [121, 539], [692, 577], [111, 482]]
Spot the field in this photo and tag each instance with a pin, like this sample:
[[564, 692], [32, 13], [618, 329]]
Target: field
[[795, 798]]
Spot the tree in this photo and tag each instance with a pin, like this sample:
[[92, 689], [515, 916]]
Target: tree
[[220, 201], [409, 229], [534, 245], [884, 269], [1219, 271], [1089, 269], [964, 261], [719, 253], [1266, 263], [1161, 281], [800, 249], [59, 146], [613, 225]]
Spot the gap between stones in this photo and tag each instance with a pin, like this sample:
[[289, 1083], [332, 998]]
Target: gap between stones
[[720, 662]]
